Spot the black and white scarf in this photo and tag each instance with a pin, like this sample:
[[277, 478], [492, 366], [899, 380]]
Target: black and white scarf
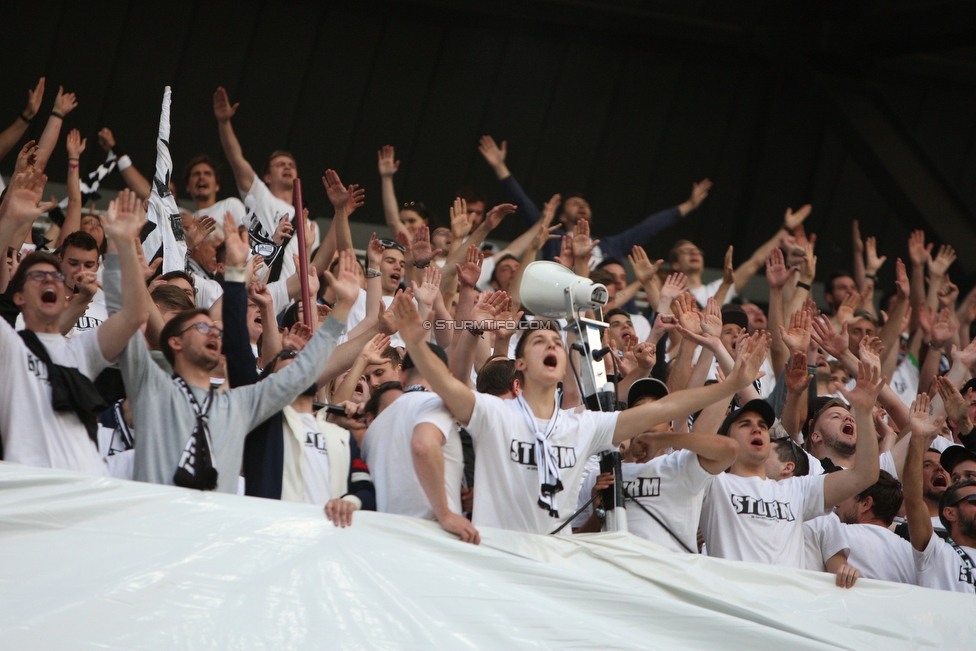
[[167, 238], [262, 243], [196, 468], [122, 438], [545, 455], [89, 190]]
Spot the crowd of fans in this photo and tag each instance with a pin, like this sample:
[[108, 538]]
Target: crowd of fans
[[177, 351]]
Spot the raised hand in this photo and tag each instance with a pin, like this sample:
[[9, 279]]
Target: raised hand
[[966, 356], [674, 286], [869, 351], [777, 273], [835, 343], [919, 253], [374, 252], [797, 338], [148, 270], [699, 192], [223, 109], [64, 103], [728, 271], [948, 293], [34, 98], [750, 354], [942, 329], [865, 392], [259, 295], [341, 197], [197, 229], [644, 269], [299, 334], [387, 320], [236, 245], [942, 261], [956, 404], [902, 285], [20, 202], [75, 144], [470, 271], [124, 219], [494, 154], [255, 264], [873, 262], [412, 331], [711, 318], [646, 355], [565, 257], [372, 352], [284, 231], [582, 244], [793, 219], [856, 242], [346, 283], [426, 292], [797, 377], [460, 218], [422, 253], [489, 305], [106, 140], [386, 161], [685, 309], [923, 422], [848, 306], [26, 157], [495, 215]]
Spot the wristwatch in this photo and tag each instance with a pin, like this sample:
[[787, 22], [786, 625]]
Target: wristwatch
[[372, 273]]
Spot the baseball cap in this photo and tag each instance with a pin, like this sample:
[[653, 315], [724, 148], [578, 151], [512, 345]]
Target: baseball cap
[[953, 455], [647, 386], [756, 406], [408, 364], [736, 316]]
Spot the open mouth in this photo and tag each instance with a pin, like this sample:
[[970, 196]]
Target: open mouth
[[757, 442], [257, 320], [360, 388], [395, 278], [848, 429], [213, 345], [940, 481], [49, 295], [550, 360]]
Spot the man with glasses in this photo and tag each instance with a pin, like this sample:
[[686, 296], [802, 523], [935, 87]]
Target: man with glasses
[[940, 564], [48, 414], [190, 435]]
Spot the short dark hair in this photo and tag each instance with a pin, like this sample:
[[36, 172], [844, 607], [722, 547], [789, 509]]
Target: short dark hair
[[170, 297], [196, 160], [950, 497], [566, 198], [497, 375], [616, 312], [422, 210], [277, 153], [673, 253], [494, 271], [834, 275], [173, 275], [861, 314], [372, 405], [471, 195], [176, 325], [787, 450], [393, 355], [603, 277], [32, 260], [887, 495], [79, 240], [817, 407], [609, 261]]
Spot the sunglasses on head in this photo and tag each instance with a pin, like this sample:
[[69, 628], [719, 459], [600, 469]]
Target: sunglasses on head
[[391, 244]]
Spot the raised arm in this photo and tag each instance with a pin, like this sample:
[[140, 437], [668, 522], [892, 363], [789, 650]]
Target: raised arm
[[64, 103], [750, 267], [20, 208], [130, 174], [224, 111], [388, 166], [925, 428], [457, 397], [838, 486], [495, 156], [12, 134], [72, 215], [679, 404], [122, 223]]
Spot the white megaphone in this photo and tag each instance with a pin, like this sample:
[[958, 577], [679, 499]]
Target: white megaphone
[[550, 289]]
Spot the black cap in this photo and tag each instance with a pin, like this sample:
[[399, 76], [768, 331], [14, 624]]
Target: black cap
[[735, 315], [647, 386], [756, 406], [969, 385], [407, 363], [953, 455]]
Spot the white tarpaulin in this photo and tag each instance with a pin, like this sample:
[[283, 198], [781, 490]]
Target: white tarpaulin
[[90, 563]]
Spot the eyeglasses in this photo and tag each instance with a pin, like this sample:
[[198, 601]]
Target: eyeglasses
[[204, 329], [39, 276], [968, 498], [390, 244]]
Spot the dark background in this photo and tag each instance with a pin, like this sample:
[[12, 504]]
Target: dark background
[[867, 110]]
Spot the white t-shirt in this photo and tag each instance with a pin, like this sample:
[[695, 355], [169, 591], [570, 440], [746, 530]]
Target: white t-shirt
[[823, 537], [207, 289], [940, 567], [886, 459], [880, 553], [233, 205], [269, 210], [904, 381], [671, 487], [356, 315], [759, 520], [507, 494], [33, 433], [703, 292], [95, 315], [591, 470], [386, 450], [315, 463]]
